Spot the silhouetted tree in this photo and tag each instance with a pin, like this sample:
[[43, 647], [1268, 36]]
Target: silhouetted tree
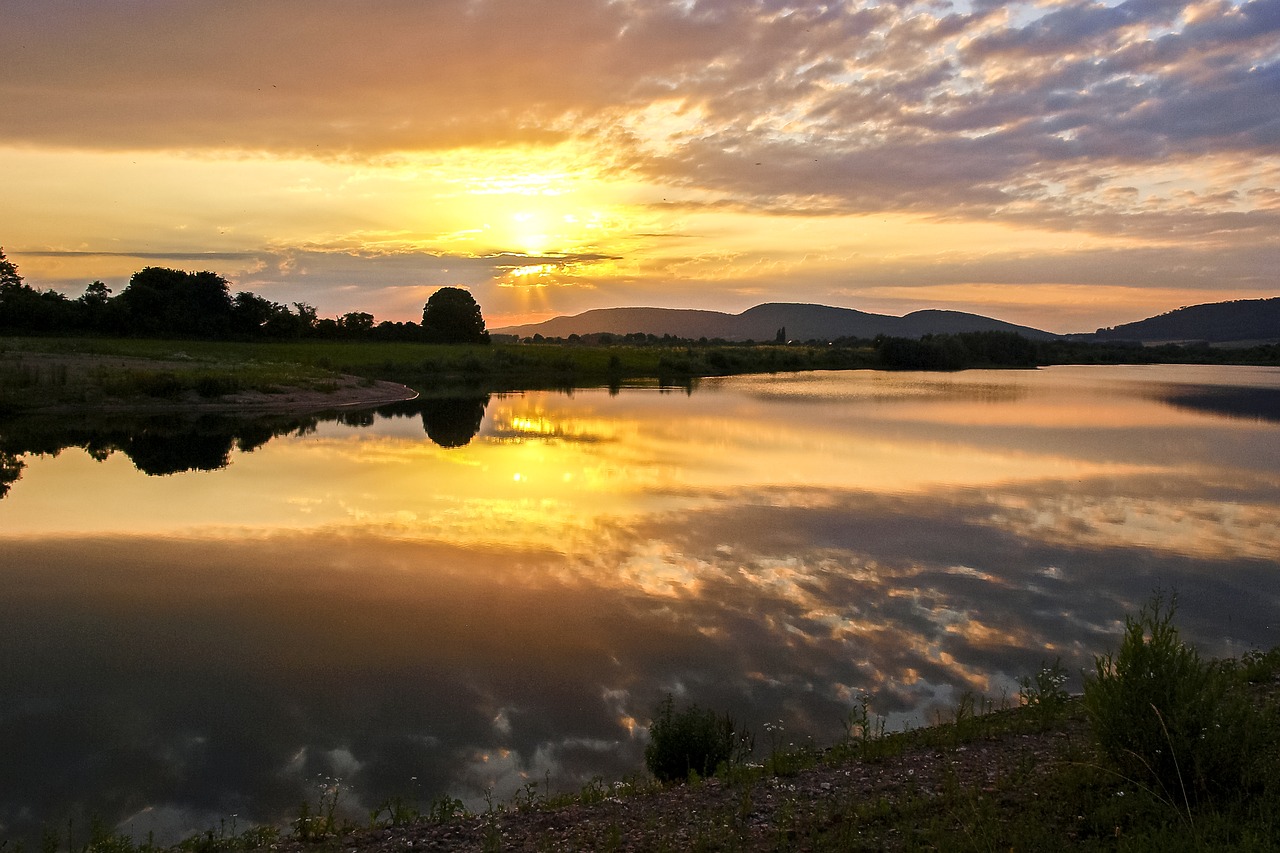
[[96, 311], [256, 317], [452, 316], [932, 352], [307, 316], [1000, 349], [355, 324], [160, 301], [390, 330], [9, 277], [23, 308], [326, 327]]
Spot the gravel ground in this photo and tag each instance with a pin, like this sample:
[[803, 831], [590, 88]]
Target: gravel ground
[[757, 816]]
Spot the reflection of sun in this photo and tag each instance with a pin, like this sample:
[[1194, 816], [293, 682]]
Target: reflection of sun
[[532, 425]]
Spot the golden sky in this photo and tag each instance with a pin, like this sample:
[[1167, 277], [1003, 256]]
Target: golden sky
[[1063, 164]]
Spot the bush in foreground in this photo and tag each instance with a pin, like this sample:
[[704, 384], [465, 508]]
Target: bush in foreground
[[691, 740], [1179, 725]]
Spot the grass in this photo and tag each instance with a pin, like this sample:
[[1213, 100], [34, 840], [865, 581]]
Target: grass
[[32, 375], [427, 367]]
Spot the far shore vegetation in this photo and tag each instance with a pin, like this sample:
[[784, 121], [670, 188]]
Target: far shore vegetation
[[41, 371]]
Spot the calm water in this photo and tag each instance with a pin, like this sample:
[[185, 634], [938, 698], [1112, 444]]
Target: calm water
[[355, 600]]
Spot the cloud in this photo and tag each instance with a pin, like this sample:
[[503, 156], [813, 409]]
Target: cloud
[[304, 76], [1152, 120]]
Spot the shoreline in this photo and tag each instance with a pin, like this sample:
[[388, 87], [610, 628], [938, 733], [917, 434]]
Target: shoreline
[[285, 401]]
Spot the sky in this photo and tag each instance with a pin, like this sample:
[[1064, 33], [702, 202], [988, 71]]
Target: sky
[[1063, 164]]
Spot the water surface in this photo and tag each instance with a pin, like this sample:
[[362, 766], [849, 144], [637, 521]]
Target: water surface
[[207, 618]]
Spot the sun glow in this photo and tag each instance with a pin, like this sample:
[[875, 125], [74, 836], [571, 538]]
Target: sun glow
[[571, 221], [533, 270]]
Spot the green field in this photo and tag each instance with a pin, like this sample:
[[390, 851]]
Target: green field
[[30, 374]]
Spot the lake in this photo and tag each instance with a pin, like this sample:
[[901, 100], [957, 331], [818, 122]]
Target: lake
[[205, 617]]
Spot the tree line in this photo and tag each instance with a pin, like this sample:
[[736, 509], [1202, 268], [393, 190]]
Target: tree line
[[161, 302], [169, 303]]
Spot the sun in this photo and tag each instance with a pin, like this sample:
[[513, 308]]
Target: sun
[[531, 232]]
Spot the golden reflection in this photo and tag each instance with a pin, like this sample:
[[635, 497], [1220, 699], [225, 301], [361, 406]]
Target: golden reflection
[[532, 425], [554, 471]]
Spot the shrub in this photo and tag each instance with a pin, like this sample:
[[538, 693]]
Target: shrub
[[212, 385], [160, 384], [1178, 725], [692, 740], [1044, 694]]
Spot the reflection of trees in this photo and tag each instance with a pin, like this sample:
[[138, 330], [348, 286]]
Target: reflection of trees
[[158, 454], [453, 421], [1247, 403], [173, 443], [157, 444], [448, 421], [10, 471]]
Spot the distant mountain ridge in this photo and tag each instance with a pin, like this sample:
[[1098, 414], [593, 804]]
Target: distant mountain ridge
[[1240, 321], [1214, 322], [802, 322]]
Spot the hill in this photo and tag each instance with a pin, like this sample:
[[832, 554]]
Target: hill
[[801, 321], [1253, 320]]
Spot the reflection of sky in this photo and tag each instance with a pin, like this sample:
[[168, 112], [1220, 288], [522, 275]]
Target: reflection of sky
[[364, 603]]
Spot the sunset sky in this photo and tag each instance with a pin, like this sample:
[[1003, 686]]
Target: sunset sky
[[1063, 164]]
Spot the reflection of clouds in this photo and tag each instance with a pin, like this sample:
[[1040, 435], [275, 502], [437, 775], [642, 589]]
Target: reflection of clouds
[[972, 599], [1243, 527], [655, 569], [379, 660]]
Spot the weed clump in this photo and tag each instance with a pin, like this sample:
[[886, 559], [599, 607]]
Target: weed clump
[[1177, 725], [1044, 694], [692, 741]]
